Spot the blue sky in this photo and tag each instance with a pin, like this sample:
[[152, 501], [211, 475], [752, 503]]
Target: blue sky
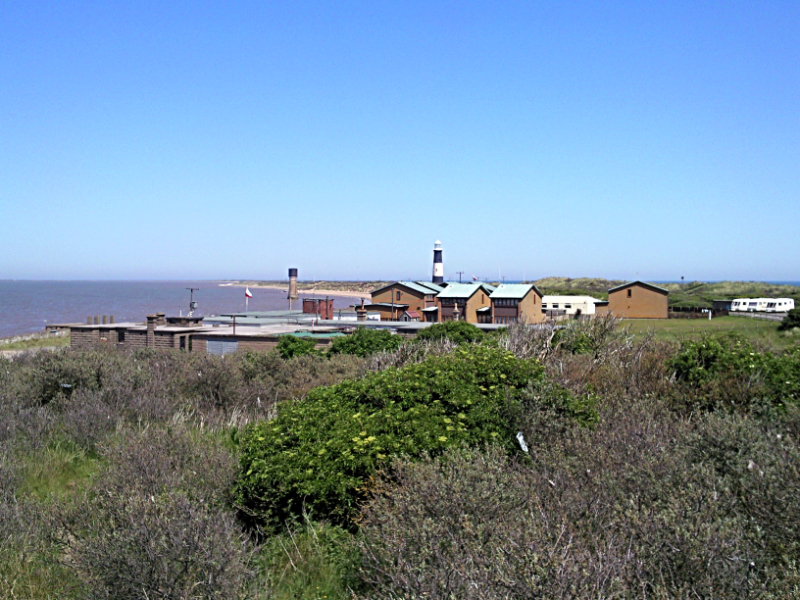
[[180, 140]]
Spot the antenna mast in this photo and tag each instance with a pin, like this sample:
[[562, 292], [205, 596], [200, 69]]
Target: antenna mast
[[192, 303]]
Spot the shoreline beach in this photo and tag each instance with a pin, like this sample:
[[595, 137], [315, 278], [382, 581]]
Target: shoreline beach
[[313, 291]]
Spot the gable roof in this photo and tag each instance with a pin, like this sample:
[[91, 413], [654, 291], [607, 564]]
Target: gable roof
[[418, 286], [649, 286], [430, 285], [513, 290], [464, 290]]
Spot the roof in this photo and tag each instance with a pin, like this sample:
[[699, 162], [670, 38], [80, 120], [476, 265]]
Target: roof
[[464, 290], [413, 314], [513, 290], [387, 305], [484, 309], [430, 309], [421, 287], [430, 285], [650, 286], [575, 299]]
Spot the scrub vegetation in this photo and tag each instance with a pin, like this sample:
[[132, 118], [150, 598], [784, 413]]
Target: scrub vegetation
[[577, 462]]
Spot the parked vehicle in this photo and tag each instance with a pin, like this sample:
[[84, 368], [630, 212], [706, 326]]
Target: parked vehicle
[[779, 305], [770, 305]]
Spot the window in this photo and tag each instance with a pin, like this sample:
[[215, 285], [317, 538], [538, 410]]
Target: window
[[555, 305], [568, 306], [629, 293], [399, 293]]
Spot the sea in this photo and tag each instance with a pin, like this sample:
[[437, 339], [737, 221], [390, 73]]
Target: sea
[[30, 306]]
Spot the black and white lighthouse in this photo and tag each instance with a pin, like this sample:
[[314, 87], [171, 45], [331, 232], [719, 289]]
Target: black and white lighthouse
[[438, 267]]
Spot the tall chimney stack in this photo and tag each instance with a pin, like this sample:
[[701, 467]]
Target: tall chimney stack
[[438, 267], [293, 284]]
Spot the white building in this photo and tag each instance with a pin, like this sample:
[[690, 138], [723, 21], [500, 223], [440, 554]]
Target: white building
[[569, 305]]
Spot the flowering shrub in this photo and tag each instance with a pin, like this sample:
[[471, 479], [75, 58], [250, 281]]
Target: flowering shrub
[[730, 373], [319, 454]]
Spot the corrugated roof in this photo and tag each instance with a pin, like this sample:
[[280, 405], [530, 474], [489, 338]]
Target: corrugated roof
[[513, 290], [642, 283], [464, 290]]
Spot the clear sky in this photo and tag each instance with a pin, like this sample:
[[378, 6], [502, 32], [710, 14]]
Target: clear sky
[[180, 140]]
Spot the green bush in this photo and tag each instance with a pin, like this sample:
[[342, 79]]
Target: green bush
[[321, 453], [791, 320], [729, 372], [365, 342], [459, 332], [291, 346]]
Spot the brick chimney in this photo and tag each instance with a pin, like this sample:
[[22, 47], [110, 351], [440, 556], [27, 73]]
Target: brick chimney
[[152, 322], [361, 312]]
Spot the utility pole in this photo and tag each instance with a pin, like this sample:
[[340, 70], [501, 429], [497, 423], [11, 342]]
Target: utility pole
[[460, 273]]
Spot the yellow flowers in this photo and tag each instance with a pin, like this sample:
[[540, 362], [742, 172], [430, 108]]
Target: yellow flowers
[[442, 438]]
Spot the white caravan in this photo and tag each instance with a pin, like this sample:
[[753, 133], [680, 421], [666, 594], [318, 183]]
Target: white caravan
[[779, 305], [739, 305], [771, 305]]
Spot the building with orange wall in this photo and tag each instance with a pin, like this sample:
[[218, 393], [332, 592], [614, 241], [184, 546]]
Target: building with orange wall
[[638, 300]]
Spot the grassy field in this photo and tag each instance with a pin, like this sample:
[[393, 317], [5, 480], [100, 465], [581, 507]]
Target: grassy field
[[60, 341], [758, 330]]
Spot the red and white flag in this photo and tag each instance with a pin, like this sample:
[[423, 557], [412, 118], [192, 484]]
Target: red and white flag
[[247, 293], [474, 278]]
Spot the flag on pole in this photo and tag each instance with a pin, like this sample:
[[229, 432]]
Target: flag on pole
[[247, 293], [474, 278]]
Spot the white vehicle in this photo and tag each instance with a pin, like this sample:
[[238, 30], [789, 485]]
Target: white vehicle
[[779, 305], [770, 305], [739, 305], [758, 304]]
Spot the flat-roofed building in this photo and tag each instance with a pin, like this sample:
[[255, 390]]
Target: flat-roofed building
[[638, 300], [512, 303], [461, 302], [569, 306], [394, 300]]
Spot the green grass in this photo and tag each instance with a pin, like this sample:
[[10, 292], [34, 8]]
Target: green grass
[[761, 331], [59, 469], [309, 563], [61, 341]]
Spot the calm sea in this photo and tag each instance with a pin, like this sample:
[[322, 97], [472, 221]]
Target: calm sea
[[28, 306]]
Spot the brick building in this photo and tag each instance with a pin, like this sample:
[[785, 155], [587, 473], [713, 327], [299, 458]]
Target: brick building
[[512, 303], [460, 301], [638, 300], [393, 301]]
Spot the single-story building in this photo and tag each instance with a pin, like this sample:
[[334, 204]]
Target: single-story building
[[638, 300], [569, 306]]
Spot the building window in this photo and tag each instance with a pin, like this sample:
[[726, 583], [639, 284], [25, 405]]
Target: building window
[[629, 293], [568, 306], [555, 305], [398, 295]]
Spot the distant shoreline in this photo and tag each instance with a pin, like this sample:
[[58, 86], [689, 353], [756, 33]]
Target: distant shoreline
[[314, 291]]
